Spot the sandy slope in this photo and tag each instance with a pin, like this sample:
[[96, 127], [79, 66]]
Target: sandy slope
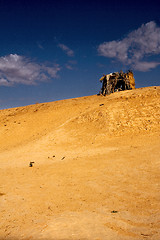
[[96, 170]]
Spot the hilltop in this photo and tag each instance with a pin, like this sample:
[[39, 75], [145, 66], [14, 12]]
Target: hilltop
[[95, 173]]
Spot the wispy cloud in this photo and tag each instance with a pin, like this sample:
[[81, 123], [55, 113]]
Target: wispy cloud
[[71, 65], [40, 46], [66, 49], [15, 69], [137, 45]]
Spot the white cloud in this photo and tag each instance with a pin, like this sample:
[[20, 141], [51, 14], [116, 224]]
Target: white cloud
[[131, 50], [66, 49], [145, 66], [15, 69]]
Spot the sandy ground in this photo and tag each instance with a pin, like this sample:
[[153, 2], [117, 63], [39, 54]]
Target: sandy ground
[[96, 168]]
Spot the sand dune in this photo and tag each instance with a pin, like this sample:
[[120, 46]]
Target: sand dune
[[96, 168]]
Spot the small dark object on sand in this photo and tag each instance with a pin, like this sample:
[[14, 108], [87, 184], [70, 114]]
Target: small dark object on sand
[[31, 164], [114, 211]]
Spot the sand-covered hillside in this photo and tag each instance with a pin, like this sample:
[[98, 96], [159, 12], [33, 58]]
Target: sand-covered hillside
[[96, 168]]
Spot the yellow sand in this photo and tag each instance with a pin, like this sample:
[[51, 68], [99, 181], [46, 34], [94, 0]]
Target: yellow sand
[[96, 169]]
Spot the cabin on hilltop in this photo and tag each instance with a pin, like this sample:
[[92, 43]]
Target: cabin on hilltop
[[117, 81]]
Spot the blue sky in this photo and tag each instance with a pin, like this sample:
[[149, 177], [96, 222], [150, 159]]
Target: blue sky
[[53, 50]]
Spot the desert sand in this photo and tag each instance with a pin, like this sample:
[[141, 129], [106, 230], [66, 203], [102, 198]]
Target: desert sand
[[96, 170]]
